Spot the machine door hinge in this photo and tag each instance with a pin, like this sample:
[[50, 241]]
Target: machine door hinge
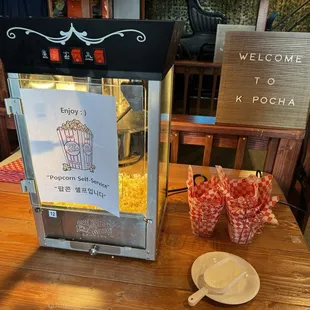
[[28, 186], [13, 106], [148, 221]]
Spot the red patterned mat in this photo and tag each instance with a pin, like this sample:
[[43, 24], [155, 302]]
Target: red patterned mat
[[12, 172], [16, 165]]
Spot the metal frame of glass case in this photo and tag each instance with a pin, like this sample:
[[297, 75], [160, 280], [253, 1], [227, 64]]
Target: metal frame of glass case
[[145, 229]]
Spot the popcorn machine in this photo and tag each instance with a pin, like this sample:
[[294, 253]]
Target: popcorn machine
[[92, 106]]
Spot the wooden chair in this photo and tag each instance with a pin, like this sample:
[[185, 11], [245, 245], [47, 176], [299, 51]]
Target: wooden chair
[[5, 148], [190, 68], [299, 194]]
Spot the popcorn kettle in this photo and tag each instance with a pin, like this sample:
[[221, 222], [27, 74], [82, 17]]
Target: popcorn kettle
[[131, 124]]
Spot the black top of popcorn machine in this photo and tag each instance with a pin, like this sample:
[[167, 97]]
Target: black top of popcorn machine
[[131, 49]]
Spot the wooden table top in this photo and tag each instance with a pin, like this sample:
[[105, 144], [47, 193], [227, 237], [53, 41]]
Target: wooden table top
[[45, 278]]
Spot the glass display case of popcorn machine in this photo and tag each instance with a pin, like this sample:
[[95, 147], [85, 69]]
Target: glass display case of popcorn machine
[[92, 106]]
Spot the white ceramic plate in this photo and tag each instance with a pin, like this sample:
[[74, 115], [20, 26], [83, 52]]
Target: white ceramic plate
[[246, 288]]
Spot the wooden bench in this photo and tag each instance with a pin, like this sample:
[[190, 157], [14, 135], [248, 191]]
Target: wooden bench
[[282, 145]]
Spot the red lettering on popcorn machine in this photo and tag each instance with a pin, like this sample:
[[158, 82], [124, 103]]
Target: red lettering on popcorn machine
[[76, 141]]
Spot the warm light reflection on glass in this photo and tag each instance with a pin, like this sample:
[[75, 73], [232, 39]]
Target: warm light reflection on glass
[[81, 87], [65, 86], [40, 85]]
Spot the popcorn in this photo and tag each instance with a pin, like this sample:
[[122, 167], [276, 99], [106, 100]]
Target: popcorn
[[77, 144], [132, 195], [76, 125]]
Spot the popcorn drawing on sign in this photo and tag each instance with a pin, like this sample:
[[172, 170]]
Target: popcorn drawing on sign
[[76, 141]]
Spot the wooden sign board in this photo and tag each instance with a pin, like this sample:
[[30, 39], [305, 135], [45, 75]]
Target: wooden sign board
[[265, 80], [220, 38]]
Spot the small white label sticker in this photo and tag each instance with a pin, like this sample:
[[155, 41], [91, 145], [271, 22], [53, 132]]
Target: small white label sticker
[[52, 213]]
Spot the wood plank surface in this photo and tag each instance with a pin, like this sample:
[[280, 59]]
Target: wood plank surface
[[96, 294], [193, 138], [50, 8], [199, 92], [214, 85], [4, 93], [142, 9], [10, 187], [186, 81], [285, 163], [194, 63], [207, 150], [271, 154], [10, 124], [45, 278], [226, 141], [9, 120], [193, 123], [240, 152], [306, 150], [174, 139], [257, 143], [5, 148], [177, 252]]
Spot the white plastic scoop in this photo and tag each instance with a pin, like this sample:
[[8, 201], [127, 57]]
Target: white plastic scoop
[[218, 279]]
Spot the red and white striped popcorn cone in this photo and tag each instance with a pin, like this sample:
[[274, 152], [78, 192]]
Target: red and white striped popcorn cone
[[243, 231], [204, 227], [205, 203], [248, 204]]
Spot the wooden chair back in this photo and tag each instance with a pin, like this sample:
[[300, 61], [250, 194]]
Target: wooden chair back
[[282, 145], [5, 148]]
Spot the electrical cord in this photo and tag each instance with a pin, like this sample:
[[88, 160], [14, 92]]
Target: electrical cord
[[183, 189], [292, 206], [258, 174], [175, 192]]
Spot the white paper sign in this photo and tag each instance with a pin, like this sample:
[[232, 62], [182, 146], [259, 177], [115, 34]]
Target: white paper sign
[[73, 144]]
